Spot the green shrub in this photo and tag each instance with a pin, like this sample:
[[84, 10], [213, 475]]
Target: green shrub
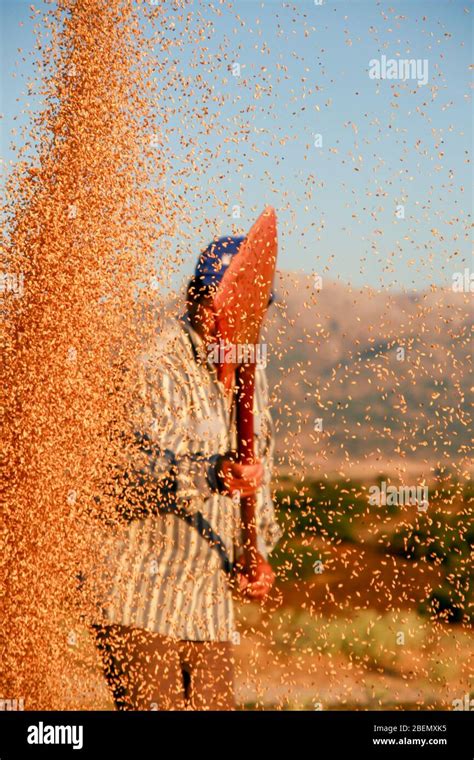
[[447, 540], [323, 508]]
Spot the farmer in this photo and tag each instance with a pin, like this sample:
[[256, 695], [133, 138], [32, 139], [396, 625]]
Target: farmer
[[166, 639]]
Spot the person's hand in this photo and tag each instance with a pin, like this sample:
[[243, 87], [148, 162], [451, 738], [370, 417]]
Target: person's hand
[[255, 576], [233, 476]]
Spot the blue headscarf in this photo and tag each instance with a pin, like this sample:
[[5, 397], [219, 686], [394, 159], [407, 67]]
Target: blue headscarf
[[215, 259]]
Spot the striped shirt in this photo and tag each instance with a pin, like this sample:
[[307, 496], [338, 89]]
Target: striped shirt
[[166, 577]]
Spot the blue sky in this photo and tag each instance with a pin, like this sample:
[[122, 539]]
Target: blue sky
[[384, 143]]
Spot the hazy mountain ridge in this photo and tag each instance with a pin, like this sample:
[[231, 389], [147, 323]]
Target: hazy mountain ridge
[[337, 355]]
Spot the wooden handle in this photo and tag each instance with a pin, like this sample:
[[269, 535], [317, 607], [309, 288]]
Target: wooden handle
[[246, 455]]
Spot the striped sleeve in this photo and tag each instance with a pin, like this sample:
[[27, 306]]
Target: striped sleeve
[[268, 529], [161, 455]]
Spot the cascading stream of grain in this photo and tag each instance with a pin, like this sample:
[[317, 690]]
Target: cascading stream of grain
[[82, 218]]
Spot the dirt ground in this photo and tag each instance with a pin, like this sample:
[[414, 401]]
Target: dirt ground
[[348, 636]]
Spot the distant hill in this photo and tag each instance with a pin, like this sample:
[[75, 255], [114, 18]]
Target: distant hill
[[387, 374]]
